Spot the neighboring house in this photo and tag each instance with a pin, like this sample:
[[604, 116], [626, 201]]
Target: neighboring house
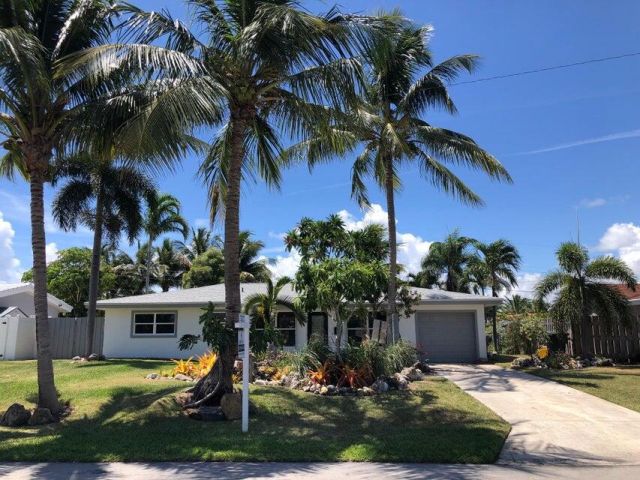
[[21, 295], [17, 321], [447, 326]]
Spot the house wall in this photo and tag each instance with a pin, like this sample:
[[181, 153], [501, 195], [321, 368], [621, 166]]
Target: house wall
[[24, 301], [119, 342]]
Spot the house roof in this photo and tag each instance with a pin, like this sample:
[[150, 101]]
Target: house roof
[[7, 289], [200, 296], [12, 311], [628, 293]]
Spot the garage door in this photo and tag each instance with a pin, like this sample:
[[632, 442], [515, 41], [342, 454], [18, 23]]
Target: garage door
[[447, 336]]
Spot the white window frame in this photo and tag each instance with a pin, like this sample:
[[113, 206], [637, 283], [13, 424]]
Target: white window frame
[[155, 323]]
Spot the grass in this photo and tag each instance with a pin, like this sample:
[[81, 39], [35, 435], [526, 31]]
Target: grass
[[120, 416], [620, 384]]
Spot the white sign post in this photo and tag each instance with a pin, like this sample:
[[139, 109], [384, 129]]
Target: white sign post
[[243, 349]]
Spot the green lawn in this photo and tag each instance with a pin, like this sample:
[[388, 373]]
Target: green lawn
[[619, 385], [118, 415]]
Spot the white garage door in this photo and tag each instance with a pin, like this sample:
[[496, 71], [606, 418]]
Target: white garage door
[[447, 336]]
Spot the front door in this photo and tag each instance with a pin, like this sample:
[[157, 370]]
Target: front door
[[318, 325]]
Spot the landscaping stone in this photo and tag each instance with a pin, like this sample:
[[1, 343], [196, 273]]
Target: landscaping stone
[[77, 358], [183, 378], [306, 388], [93, 357], [332, 389], [380, 386], [412, 374], [401, 382], [423, 367], [324, 390], [367, 392], [231, 404], [15, 416], [41, 416], [260, 381], [152, 376], [206, 414]]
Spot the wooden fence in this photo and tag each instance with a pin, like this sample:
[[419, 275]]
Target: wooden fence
[[612, 341], [69, 336]]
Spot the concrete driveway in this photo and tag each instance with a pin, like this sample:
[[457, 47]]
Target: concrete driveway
[[551, 423]]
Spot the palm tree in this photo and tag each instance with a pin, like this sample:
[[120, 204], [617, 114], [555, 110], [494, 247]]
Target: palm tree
[[389, 124], [583, 288], [264, 306], [517, 304], [262, 67], [163, 216], [201, 240], [450, 259], [106, 196], [501, 261], [40, 106], [172, 264], [252, 268]]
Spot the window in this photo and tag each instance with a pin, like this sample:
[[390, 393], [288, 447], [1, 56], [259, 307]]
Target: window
[[286, 325], [152, 323], [355, 326]]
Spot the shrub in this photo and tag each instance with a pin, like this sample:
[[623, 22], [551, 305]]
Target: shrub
[[398, 356], [524, 334], [368, 354]]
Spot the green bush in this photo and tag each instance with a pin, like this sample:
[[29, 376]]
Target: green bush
[[524, 334], [366, 354], [398, 356]]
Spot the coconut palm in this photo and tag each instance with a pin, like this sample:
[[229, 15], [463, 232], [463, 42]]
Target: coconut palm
[[262, 68], [163, 216], [39, 110], [582, 288], [389, 125], [106, 196], [517, 304], [172, 264], [501, 261], [449, 259], [201, 240]]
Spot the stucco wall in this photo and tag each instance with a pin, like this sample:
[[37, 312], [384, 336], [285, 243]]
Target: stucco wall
[[119, 343]]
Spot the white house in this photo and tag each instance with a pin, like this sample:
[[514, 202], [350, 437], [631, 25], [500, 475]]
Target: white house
[[446, 327], [17, 322]]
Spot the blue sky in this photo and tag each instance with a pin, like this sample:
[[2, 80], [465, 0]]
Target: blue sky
[[570, 138]]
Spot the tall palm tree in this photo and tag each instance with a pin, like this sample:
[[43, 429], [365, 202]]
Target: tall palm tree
[[261, 67], [163, 216], [172, 264], [517, 304], [252, 269], [450, 259], [201, 240], [39, 110], [107, 196], [501, 261], [583, 288], [403, 83]]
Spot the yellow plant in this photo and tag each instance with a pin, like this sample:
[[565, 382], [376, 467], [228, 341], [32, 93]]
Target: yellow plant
[[236, 378], [281, 372], [184, 367], [206, 362], [542, 352]]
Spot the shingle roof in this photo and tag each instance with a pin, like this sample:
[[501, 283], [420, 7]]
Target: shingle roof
[[215, 293], [7, 289], [628, 293]]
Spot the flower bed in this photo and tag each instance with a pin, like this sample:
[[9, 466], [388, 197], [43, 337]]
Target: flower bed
[[543, 359]]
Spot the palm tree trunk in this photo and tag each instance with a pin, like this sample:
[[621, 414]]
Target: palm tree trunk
[[94, 279], [47, 395], [147, 277], [392, 311]]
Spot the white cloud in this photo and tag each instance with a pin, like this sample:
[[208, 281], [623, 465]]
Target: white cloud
[[587, 141], [285, 265], [593, 202], [623, 240], [52, 252], [10, 271], [411, 248], [526, 285]]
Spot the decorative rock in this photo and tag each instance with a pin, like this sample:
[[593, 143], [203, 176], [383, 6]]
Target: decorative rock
[[231, 404], [77, 358], [380, 386], [206, 414], [332, 389], [15, 416], [412, 374], [367, 392], [183, 378], [306, 388], [401, 381], [93, 357], [41, 416], [324, 390], [423, 367], [152, 376], [260, 381]]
